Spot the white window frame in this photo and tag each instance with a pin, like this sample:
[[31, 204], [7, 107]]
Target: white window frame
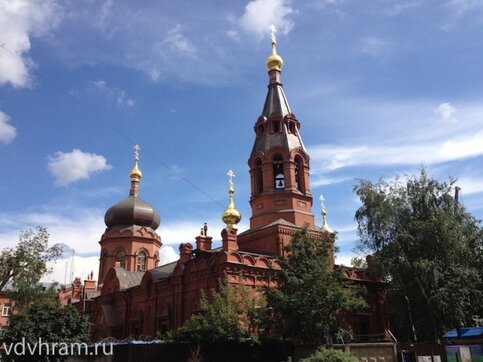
[[7, 310]]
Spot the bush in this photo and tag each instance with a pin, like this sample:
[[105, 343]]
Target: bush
[[330, 355]]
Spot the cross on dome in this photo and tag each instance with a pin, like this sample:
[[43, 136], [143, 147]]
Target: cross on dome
[[322, 199], [231, 175], [273, 31], [136, 152]]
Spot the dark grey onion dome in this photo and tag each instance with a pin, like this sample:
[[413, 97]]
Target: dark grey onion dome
[[132, 211]]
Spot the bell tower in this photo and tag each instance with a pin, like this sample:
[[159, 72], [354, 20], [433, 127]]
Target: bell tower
[[279, 163]]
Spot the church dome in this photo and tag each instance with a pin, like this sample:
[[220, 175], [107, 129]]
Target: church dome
[[132, 211]]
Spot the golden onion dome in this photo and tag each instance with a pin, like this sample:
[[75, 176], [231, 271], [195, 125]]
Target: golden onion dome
[[135, 174], [231, 216], [274, 61], [325, 227]]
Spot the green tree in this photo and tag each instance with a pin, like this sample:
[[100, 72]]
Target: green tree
[[429, 247], [229, 313], [26, 263], [50, 322], [313, 297], [330, 355]]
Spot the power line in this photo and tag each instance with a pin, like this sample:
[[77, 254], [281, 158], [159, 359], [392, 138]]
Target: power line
[[94, 116]]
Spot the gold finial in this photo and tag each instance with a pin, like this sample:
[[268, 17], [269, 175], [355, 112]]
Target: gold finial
[[325, 227], [231, 216], [136, 174], [274, 61]]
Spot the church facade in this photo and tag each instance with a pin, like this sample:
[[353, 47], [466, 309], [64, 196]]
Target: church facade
[[137, 297]]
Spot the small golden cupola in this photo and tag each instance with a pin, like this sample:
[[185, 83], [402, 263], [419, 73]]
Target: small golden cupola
[[136, 174], [132, 210], [325, 227], [231, 216], [274, 61]]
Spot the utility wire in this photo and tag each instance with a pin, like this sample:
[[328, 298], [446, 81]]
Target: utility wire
[[94, 116]]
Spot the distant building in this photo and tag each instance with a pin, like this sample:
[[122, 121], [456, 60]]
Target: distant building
[[6, 307], [135, 296]]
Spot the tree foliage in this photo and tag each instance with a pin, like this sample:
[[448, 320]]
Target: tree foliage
[[47, 320], [330, 355], [430, 248], [313, 298], [229, 313], [26, 263]]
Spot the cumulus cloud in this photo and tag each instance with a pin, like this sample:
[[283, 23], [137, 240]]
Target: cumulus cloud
[[446, 112], [7, 131], [74, 166], [115, 93], [260, 14], [19, 21]]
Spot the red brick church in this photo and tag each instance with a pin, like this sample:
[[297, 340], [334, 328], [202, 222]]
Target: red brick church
[[135, 296]]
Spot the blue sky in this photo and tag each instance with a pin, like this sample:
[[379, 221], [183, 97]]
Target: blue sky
[[380, 87]]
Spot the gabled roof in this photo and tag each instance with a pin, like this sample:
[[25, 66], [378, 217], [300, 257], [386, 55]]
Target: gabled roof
[[128, 279], [163, 271]]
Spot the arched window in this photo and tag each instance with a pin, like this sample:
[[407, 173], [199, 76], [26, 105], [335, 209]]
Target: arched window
[[299, 174], [278, 176], [258, 177], [276, 126], [292, 127], [121, 258], [141, 261]]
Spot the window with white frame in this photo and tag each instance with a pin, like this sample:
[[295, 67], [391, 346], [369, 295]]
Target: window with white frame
[[7, 309]]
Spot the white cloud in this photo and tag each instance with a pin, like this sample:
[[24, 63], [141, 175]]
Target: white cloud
[[178, 42], [335, 157], [74, 166], [446, 112], [233, 35], [344, 258], [115, 93], [260, 14], [66, 269], [323, 180], [470, 184], [19, 21], [167, 254], [7, 131]]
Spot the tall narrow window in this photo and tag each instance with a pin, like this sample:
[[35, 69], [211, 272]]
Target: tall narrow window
[[278, 176], [276, 126], [7, 310], [141, 261], [121, 258], [299, 174], [258, 177]]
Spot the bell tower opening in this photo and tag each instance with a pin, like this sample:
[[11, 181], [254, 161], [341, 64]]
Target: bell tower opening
[[278, 176], [299, 174]]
